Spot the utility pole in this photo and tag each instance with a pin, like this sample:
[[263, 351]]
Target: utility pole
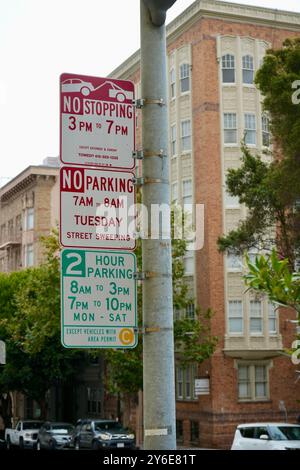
[[158, 355]]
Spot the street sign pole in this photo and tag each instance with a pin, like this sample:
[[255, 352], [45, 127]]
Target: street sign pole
[[158, 351]]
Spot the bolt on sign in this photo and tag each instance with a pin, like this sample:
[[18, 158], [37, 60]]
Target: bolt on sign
[[97, 121], [98, 301], [97, 208]]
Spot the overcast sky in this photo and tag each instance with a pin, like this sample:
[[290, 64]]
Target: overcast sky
[[39, 40]]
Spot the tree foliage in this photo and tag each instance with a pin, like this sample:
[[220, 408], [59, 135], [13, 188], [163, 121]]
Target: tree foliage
[[273, 276], [30, 326], [192, 337]]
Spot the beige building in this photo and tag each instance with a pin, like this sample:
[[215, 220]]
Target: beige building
[[29, 208]]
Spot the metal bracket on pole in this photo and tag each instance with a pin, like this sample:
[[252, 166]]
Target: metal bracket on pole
[[140, 103], [143, 275], [142, 181], [141, 154], [150, 329]]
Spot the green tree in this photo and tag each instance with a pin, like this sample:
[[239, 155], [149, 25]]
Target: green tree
[[273, 276], [30, 325], [193, 339]]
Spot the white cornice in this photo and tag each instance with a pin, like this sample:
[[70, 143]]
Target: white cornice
[[216, 9]]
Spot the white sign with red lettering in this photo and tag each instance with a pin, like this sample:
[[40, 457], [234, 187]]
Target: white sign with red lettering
[[97, 125], [97, 208]]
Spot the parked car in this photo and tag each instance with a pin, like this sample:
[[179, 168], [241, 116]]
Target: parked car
[[266, 436], [54, 435], [101, 434], [23, 435]]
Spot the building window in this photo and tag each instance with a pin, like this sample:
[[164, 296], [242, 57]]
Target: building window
[[187, 192], [29, 255], [29, 218], [173, 140], [252, 381], [185, 379], [173, 83], [3, 233], [235, 316], [179, 430], [94, 401], [190, 311], [186, 135], [228, 68], [234, 262], [188, 262], [265, 126], [256, 324], [250, 129], [194, 431], [244, 382], [272, 317], [231, 201], [184, 78], [174, 192], [230, 128], [10, 229], [260, 381], [248, 69]]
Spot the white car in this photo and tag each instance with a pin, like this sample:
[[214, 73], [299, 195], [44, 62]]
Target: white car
[[266, 436], [75, 85]]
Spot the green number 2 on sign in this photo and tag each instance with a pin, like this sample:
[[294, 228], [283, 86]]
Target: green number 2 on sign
[[74, 264]]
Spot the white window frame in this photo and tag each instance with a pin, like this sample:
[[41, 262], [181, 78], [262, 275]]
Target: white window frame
[[186, 136], [252, 368], [255, 315], [265, 130], [29, 218], [238, 315], [190, 311], [248, 66], [187, 191], [29, 255], [272, 318], [174, 192], [173, 135], [228, 63], [234, 263], [250, 129], [185, 380], [172, 83], [189, 264], [184, 73], [230, 126], [231, 202]]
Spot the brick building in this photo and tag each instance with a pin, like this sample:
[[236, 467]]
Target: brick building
[[214, 49]]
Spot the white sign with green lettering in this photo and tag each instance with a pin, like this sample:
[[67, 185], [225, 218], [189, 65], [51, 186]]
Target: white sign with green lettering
[[98, 301]]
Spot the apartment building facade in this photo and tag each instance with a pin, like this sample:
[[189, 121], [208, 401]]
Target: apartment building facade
[[214, 49]]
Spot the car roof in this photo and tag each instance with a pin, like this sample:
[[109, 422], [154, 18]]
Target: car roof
[[251, 425]]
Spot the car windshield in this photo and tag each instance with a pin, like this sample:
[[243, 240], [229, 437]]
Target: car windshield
[[62, 428], [32, 425], [108, 426], [285, 433]]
